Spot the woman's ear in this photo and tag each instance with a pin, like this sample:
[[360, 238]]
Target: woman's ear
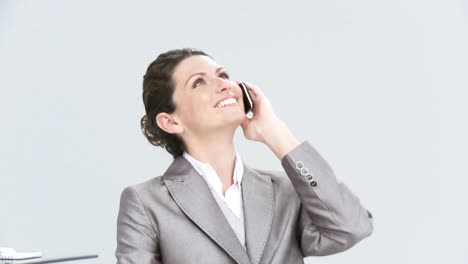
[[168, 123]]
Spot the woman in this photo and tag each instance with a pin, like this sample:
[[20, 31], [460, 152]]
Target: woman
[[209, 206]]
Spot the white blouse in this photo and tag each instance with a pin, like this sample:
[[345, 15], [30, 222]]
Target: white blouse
[[233, 195]]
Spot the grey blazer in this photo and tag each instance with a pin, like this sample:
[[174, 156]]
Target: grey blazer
[[288, 215]]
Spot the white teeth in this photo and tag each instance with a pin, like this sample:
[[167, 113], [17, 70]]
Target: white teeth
[[226, 102]]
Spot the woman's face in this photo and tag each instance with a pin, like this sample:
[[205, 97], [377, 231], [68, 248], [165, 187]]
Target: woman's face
[[200, 84]]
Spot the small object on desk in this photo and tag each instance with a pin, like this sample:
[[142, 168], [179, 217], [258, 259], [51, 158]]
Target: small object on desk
[[55, 259], [11, 254]]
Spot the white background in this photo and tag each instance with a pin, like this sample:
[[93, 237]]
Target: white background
[[378, 87]]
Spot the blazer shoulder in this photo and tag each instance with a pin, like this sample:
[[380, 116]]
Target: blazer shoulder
[[146, 186], [274, 174], [280, 181]]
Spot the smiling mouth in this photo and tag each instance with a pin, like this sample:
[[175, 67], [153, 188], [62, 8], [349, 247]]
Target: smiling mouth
[[227, 103]]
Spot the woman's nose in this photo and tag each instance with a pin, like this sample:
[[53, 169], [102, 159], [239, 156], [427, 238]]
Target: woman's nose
[[224, 85], [223, 88]]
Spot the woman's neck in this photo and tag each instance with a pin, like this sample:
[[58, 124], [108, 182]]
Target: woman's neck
[[217, 151]]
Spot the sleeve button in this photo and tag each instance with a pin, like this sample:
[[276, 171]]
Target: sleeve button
[[313, 183], [309, 177], [299, 165]]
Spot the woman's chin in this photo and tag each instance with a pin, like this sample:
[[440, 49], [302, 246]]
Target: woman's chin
[[234, 119]]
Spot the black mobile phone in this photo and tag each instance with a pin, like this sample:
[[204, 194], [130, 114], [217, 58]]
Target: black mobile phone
[[248, 102]]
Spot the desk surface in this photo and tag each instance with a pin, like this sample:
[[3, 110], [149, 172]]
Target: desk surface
[[44, 260]]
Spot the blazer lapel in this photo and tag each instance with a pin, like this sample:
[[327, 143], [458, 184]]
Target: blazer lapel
[[257, 194], [193, 196]]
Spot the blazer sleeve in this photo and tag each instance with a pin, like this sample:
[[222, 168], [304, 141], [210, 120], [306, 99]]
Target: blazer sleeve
[[137, 239], [331, 218]]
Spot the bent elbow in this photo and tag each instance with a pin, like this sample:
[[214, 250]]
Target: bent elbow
[[364, 229]]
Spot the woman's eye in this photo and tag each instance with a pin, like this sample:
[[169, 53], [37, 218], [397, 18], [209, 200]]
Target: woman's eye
[[200, 80], [197, 81]]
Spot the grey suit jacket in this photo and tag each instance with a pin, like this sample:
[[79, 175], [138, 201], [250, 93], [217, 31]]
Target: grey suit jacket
[[301, 211]]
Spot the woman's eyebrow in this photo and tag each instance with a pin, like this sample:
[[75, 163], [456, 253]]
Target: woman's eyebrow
[[201, 73]]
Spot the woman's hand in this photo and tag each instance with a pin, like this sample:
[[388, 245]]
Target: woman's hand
[[265, 126], [263, 119]]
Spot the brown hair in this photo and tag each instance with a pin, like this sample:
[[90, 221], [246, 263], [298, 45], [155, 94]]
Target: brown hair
[[158, 91]]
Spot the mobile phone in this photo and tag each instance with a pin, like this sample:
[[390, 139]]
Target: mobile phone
[[248, 102]]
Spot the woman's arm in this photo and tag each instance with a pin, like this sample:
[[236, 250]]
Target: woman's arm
[[331, 218], [137, 239]]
